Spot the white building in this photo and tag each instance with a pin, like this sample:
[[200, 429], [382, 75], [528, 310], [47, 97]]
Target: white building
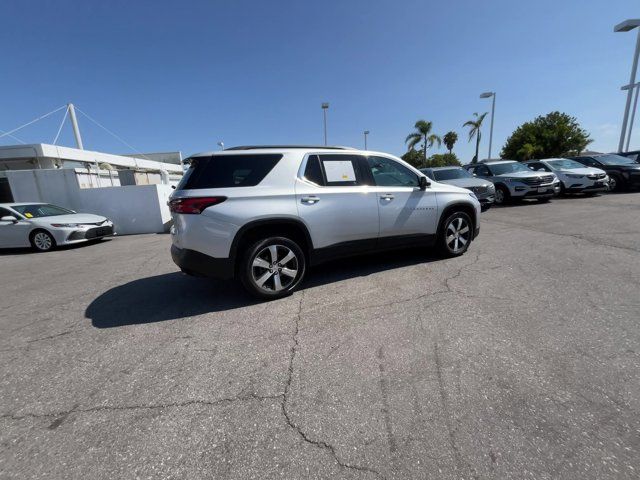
[[131, 190]]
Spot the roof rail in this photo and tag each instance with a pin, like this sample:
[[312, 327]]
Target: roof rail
[[282, 147]]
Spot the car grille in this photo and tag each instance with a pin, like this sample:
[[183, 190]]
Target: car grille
[[596, 176], [538, 180], [98, 232]]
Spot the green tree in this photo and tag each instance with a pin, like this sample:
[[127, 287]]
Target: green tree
[[449, 140], [553, 135], [474, 131], [422, 134], [443, 160], [415, 158]]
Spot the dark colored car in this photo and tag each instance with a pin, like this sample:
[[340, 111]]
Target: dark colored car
[[633, 155], [623, 172]]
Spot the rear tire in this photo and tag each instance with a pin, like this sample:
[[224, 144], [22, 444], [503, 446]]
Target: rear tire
[[272, 268], [455, 235], [42, 241]]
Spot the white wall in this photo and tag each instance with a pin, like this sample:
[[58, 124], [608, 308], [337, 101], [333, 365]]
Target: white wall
[[133, 209]]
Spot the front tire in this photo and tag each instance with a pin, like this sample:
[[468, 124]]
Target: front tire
[[502, 195], [456, 234], [272, 268], [615, 184], [42, 241]]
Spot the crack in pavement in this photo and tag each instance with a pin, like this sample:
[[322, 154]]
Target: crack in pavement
[[287, 415], [110, 408]]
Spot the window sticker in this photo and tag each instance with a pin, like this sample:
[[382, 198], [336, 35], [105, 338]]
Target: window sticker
[[28, 215], [339, 171]]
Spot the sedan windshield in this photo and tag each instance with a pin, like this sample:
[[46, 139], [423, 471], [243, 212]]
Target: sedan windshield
[[40, 210], [451, 174], [511, 167], [615, 160], [564, 163]]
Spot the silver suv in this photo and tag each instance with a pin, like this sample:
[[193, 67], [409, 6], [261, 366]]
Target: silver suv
[[263, 215], [513, 180]]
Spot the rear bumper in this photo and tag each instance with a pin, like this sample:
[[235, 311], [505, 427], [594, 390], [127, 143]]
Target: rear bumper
[[197, 263]]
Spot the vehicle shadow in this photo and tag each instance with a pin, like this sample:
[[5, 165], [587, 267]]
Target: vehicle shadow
[[172, 296]]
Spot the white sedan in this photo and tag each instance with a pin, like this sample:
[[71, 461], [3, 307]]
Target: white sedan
[[574, 177], [43, 226]]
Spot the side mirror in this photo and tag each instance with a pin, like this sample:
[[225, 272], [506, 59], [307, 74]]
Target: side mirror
[[424, 183], [9, 218]]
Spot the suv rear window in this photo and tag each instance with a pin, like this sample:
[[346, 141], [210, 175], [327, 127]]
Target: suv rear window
[[224, 171]]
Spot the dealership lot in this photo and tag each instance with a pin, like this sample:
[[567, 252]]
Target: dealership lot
[[520, 359]]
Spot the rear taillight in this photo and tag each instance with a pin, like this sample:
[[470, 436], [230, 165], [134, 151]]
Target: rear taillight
[[193, 204]]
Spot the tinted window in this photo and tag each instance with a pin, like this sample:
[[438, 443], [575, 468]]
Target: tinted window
[[223, 171], [451, 174], [615, 160], [340, 170], [313, 171], [590, 162], [428, 172], [482, 171], [388, 173]]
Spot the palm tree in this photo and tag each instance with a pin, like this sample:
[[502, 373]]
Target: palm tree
[[474, 131], [449, 139], [422, 134]]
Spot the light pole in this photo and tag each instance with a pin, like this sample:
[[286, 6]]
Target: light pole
[[221, 145], [625, 27], [493, 111], [325, 107], [366, 132], [635, 86]]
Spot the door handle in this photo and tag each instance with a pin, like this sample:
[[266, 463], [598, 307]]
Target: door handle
[[310, 200], [387, 196]]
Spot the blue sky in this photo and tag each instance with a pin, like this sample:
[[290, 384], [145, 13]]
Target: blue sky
[[185, 75]]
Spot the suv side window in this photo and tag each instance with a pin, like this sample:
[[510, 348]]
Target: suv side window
[[313, 171], [339, 170], [482, 171], [389, 173]]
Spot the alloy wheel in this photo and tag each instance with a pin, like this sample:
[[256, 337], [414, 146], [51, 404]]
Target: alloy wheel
[[458, 234], [499, 196], [274, 268], [42, 241], [613, 183]]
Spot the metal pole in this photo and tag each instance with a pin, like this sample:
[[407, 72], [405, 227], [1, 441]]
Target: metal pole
[[633, 116], [629, 93], [365, 139], [74, 123], [493, 110], [324, 112]]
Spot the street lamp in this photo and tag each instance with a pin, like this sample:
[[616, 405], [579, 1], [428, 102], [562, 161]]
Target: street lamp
[[325, 106], [221, 145], [493, 110], [633, 111], [366, 132], [626, 26]]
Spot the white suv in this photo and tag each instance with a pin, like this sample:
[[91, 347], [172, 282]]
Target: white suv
[[264, 214]]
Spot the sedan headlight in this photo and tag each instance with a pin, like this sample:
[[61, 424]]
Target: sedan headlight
[[65, 225]]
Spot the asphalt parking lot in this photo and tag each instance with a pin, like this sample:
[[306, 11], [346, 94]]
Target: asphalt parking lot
[[520, 359]]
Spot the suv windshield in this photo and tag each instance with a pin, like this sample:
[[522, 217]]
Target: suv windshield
[[614, 160], [565, 163], [511, 167], [40, 210], [451, 174]]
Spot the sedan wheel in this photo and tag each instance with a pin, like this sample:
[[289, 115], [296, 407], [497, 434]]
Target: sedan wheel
[[501, 195], [42, 241], [613, 183]]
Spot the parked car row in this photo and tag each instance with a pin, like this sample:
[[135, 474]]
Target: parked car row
[[499, 181]]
